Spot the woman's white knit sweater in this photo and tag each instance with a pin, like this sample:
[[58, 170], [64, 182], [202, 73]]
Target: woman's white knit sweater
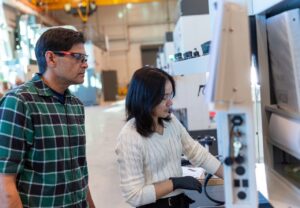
[[144, 161]]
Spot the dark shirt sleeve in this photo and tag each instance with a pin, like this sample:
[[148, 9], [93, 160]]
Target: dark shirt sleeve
[[15, 133]]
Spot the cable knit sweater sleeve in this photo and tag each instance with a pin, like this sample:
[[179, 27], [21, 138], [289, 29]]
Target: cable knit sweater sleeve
[[195, 152], [130, 153]]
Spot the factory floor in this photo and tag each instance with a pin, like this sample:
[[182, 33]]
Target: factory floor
[[103, 124]]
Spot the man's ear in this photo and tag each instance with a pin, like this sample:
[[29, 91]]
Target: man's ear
[[50, 58]]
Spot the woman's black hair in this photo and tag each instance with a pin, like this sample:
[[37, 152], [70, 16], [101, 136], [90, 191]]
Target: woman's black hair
[[146, 91]]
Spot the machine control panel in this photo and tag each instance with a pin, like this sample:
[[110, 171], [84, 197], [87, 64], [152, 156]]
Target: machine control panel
[[238, 154]]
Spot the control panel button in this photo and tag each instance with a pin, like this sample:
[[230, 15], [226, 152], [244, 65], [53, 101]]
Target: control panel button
[[239, 159], [228, 161], [242, 195], [240, 170], [236, 183], [245, 183]]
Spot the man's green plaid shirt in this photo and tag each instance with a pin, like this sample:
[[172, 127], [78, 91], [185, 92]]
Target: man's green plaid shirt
[[43, 142]]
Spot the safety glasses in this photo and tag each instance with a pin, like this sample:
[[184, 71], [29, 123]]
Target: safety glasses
[[78, 56], [168, 96]]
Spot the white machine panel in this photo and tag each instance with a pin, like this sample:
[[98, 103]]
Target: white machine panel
[[286, 133], [187, 97], [284, 44], [191, 31], [190, 66], [235, 129]]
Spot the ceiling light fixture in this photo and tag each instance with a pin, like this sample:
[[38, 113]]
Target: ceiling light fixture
[[83, 9]]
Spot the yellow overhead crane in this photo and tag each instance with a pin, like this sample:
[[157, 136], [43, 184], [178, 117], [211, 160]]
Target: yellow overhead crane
[[60, 4], [82, 8]]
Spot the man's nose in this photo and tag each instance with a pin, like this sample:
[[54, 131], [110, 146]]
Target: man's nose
[[85, 65]]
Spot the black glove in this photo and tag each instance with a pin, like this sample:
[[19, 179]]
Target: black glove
[[186, 182]]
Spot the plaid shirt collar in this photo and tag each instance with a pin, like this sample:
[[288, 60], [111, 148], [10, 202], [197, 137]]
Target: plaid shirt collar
[[43, 89]]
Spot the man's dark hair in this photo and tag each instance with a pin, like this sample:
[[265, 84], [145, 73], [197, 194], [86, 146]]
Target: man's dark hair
[[55, 39], [146, 91]]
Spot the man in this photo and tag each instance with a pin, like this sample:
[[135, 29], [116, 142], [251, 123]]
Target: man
[[42, 134]]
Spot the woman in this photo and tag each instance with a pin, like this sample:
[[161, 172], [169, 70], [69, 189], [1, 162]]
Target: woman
[[151, 143]]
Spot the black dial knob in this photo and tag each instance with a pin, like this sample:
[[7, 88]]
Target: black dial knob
[[239, 159], [228, 161], [240, 170], [242, 195]]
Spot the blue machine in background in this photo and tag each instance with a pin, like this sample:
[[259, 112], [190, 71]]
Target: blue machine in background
[[90, 91]]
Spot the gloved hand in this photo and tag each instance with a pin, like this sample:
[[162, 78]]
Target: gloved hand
[[186, 182]]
